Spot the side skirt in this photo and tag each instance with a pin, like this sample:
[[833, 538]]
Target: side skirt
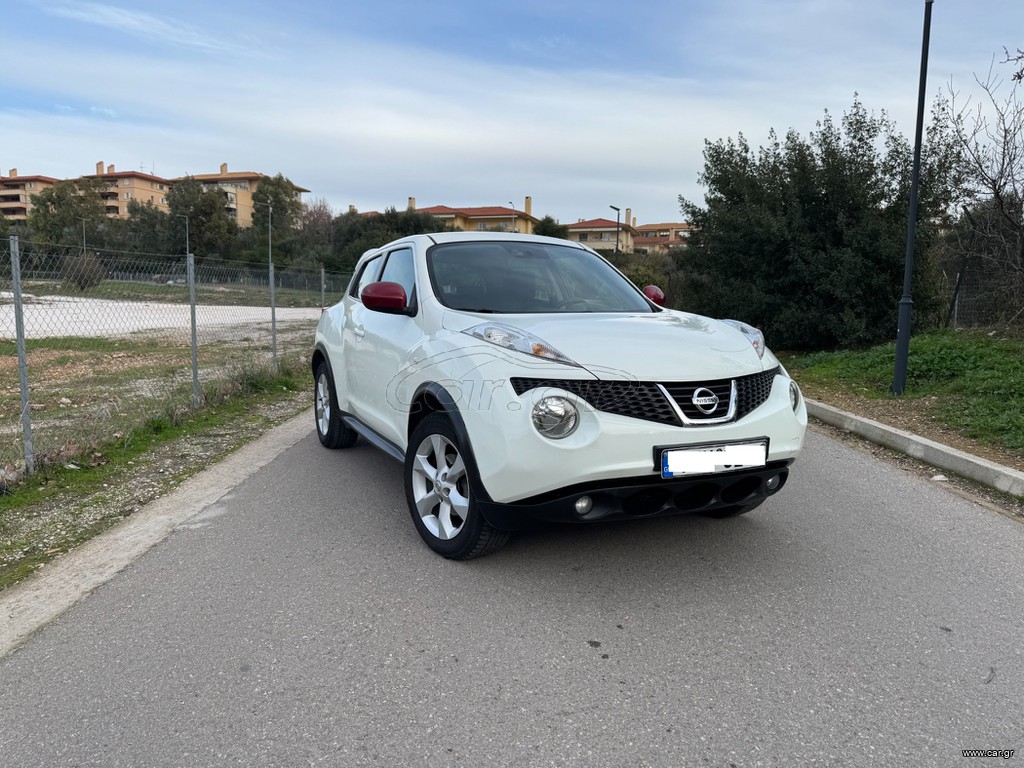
[[374, 439]]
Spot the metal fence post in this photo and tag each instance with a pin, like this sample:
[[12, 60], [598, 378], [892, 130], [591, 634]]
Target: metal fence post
[[190, 265], [19, 326], [273, 319], [323, 288]]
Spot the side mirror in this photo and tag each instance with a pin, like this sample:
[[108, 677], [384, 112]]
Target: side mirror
[[655, 294], [385, 297]]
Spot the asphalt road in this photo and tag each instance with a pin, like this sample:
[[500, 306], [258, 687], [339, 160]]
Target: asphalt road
[[862, 618]]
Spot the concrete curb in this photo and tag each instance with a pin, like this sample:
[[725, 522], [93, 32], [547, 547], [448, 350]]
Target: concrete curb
[[980, 470]]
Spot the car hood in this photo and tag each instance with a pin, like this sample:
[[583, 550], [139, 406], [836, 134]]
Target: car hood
[[660, 346]]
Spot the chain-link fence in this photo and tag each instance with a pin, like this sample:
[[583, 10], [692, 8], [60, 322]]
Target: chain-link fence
[[985, 293], [97, 344]]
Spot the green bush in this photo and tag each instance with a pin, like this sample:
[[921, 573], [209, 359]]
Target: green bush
[[805, 238], [83, 270]]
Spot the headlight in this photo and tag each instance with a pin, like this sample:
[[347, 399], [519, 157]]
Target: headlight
[[519, 340], [555, 417], [754, 336], [794, 395]]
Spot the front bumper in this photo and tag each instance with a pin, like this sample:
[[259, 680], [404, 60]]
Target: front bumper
[[516, 464], [648, 496]]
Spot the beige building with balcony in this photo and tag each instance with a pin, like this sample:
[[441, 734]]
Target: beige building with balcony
[[485, 218], [605, 234], [16, 193], [659, 238], [125, 186], [239, 187]]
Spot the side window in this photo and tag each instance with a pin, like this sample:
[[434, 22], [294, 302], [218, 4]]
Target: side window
[[366, 276], [399, 269]]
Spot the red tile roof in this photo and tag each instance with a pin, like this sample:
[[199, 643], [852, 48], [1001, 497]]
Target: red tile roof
[[126, 174], [486, 212], [597, 224], [29, 178]]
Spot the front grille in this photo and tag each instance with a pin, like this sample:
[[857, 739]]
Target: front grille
[[752, 391], [683, 393], [644, 400], [636, 399]]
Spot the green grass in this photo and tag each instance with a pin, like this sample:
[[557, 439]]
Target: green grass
[[976, 378]]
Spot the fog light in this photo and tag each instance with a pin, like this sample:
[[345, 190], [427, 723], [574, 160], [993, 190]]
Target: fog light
[[794, 395], [583, 505], [772, 483], [555, 417]]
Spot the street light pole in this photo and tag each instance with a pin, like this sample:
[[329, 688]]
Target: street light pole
[[899, 382], [512, 206], [185, 217], [83, 234], [614, 208]]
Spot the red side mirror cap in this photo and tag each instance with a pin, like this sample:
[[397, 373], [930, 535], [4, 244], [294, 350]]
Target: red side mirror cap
[[385, 297], [655, 294]]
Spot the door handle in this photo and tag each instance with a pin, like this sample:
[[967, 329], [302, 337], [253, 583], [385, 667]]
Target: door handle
[[359, 331]]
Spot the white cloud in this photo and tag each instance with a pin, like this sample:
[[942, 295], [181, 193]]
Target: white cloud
[[142, 25], [368, 123]]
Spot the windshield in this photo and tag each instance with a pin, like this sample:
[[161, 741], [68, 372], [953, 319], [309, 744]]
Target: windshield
[[507, 277]]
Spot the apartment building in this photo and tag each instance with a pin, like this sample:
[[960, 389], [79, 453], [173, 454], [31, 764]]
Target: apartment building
[[120, 187], [658, 238], [238, 186], [16, 193], [125, 186], [605, 234], [484, 219]]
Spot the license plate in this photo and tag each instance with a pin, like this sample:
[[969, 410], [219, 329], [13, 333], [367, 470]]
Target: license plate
[[709, 459]]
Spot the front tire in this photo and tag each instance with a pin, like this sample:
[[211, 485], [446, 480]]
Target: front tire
[[331, 430], [439, 488]]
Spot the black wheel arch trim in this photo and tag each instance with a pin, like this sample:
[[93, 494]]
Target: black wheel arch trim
[[322, 350], [448, 407]]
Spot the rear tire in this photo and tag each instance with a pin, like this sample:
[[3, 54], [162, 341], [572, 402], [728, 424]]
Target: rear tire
[[331, 430], [439, 488]]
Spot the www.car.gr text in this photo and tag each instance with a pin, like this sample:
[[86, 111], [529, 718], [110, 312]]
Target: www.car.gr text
[[1006, 754]]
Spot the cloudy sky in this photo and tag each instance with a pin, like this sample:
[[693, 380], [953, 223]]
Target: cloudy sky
[[580, 105]]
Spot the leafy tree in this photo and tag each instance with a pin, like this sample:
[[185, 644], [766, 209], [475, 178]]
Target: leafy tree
[[149, 230], [355, 233], [806, 237], [5, 230], [61, 212], [280, 193], [315, 236], [551, 228], [212, 231]]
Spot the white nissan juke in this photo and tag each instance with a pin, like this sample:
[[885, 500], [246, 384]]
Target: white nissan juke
[[523, 380]]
